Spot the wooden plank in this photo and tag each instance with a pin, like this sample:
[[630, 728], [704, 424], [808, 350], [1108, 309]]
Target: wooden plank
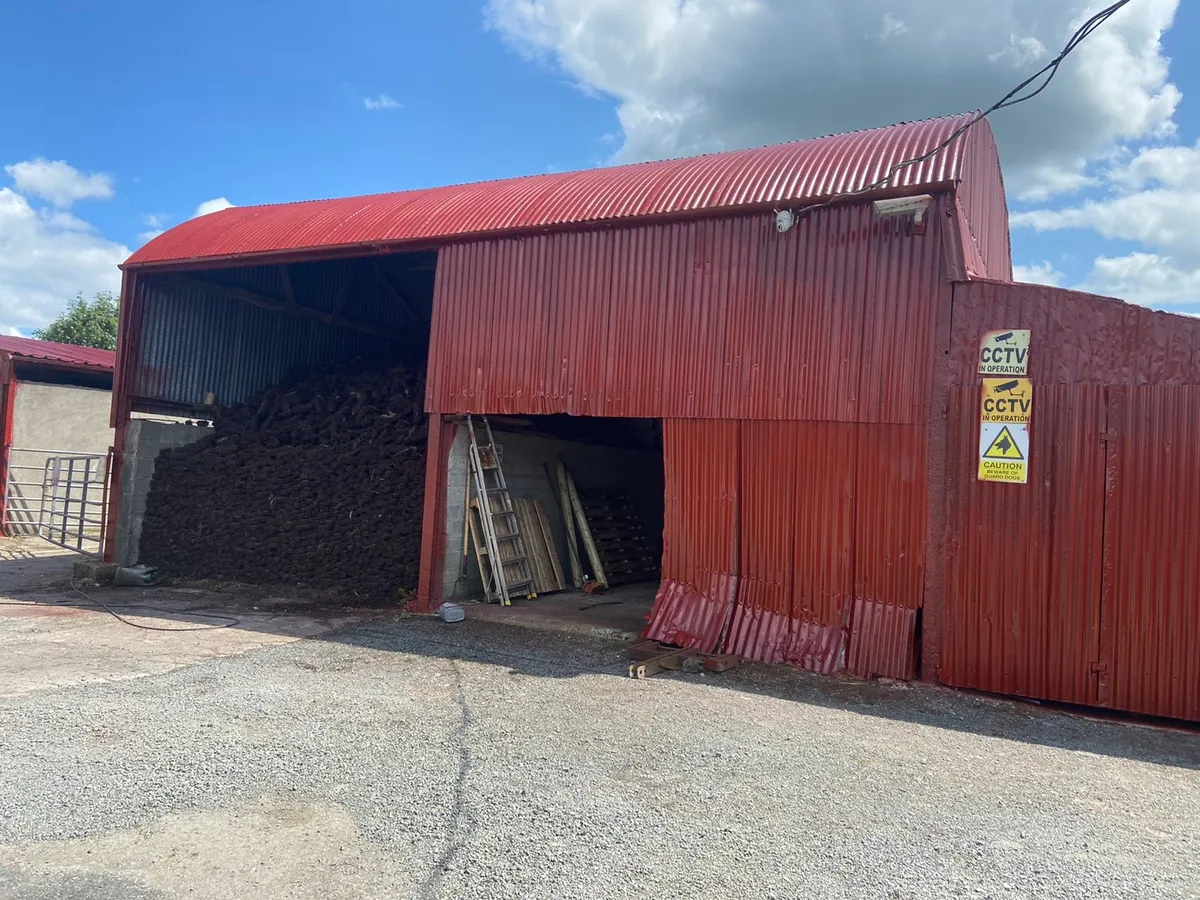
[[671, 661], [547, 576], [551, 545], [585, 531], [568, 511]]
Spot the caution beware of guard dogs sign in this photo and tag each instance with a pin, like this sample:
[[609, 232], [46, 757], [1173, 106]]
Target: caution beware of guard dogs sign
[[1004, 453]]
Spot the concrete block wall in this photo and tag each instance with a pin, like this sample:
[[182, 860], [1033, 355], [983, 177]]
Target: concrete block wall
[[525, 460], [51, 420], [144, 441]]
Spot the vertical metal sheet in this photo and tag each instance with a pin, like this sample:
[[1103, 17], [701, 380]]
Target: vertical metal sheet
[[1023, 598], [700, 537], [797, 549], [983, 207], [714, 318], [828, 513], [193, 342], [882, 641], [1150, 636]]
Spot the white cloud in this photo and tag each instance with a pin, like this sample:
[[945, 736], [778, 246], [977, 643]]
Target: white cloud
[[1039, 273], [382, 102], [1145, 278], [716, 74], [58, 182], [211, 206], [46, 258], [1152, 199]]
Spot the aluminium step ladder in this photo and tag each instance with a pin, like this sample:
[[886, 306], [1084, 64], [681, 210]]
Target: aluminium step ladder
[[503, 562]]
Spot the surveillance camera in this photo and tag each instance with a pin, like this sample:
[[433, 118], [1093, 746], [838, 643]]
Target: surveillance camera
[[785, 219], [902, 206]]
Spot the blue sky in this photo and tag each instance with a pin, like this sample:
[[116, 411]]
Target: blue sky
[[156, 108]]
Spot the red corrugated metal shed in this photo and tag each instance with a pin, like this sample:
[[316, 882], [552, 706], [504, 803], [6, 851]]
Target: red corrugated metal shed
[[58, 354], [795, 173]]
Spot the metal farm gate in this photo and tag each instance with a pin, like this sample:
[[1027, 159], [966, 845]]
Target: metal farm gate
[[62, 498], [1082, 585]]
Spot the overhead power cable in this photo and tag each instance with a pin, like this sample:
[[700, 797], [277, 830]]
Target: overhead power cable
[[1012, 98]]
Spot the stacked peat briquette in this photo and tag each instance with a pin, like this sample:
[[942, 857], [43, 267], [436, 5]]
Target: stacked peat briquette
[[319, 483]]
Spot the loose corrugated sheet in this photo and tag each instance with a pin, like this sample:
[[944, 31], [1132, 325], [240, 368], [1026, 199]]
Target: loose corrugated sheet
[[794, 173], [882, 641], [700, 537]]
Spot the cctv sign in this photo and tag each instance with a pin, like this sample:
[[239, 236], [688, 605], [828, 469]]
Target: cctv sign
[[1004, 353]]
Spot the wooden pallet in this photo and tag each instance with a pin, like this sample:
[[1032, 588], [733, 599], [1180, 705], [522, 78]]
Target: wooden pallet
[[619, 537]]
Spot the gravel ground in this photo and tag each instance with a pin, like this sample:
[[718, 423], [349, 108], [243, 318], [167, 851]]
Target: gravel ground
[[416, 759]]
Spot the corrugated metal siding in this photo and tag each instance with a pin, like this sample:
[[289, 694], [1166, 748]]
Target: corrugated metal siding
[[882, 641], [1078, 338], [1080, 586], [1023, 589], [792, 523], [700, 537], [720, 318], [984, 209], [193, 342], [788, 173], [1150, 636], [797, 549]]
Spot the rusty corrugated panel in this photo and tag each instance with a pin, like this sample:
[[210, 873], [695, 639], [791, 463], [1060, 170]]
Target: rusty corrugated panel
[[983, 209], [830, 512], [882, 641], [1150, 614], [698, 319], [699, 535], [794, 173], [58, 354], [193, 342]]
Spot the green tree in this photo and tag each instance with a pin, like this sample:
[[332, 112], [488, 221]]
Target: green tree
[[86, 324]]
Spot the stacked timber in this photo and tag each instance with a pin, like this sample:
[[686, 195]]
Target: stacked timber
[[318, 483]]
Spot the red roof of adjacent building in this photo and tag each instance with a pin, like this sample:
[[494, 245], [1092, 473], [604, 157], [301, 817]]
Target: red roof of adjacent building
[[59, 354], [798, 172]]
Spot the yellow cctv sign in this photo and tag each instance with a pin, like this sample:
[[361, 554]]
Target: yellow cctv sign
[[1007, 401], [1004, 352]]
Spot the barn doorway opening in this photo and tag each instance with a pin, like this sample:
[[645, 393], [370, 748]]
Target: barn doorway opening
[[588, 498], [283, 433]]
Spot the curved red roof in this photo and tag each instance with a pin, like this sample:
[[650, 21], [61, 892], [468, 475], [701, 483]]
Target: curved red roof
[[59, 354], [802, 171]]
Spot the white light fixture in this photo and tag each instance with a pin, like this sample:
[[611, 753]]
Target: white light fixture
[[785, 220], [903, 206]]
